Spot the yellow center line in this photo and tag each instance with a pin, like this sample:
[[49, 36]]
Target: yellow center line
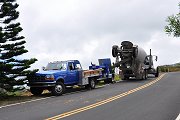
[[66, 114]]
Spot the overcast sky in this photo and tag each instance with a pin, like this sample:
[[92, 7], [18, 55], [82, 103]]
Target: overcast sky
[[87, 29]]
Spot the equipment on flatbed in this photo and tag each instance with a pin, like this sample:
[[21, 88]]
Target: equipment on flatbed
[[107, 72], [134, 61]]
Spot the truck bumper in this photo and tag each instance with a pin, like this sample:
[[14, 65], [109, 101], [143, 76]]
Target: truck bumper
[[41, 84]]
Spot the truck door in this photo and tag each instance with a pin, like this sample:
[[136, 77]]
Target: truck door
[[79, 70], [72, 75]]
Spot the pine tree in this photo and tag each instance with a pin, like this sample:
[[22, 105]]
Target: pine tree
[[13, 70]]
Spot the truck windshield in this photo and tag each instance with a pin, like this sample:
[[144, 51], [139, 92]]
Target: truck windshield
[[56, 66]]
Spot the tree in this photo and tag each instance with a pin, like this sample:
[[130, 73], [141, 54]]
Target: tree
[[173, 27], [13, 70]]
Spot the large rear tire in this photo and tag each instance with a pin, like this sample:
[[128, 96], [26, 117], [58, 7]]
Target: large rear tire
[[58, 89], [115, 51], [36, 91]]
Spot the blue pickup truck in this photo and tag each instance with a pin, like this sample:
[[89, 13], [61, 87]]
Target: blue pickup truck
[[56, 76]]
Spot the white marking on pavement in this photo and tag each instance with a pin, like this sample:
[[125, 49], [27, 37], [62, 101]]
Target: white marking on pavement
[[25, 102], [178, 118]]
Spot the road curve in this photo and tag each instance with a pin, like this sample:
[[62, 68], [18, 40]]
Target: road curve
[[152, 99]]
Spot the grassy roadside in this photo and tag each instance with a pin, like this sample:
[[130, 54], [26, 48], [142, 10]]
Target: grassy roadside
[[16, 97]]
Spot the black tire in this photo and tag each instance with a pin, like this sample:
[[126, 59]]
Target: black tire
[[58, 89], [125, 78], [36, 91], [143, 75], [157, 72], [92, 83], [146, 74], [108, 80], [115, 51]]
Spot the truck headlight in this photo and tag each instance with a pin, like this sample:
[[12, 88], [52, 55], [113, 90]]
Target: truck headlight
[[128, 65], [49, 77]]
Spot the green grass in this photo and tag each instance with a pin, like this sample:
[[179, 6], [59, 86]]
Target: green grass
[[117, 77]]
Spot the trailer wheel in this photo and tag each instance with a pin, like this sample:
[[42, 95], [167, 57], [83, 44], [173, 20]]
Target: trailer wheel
[[115, 51], [58, 89], [36, 91]]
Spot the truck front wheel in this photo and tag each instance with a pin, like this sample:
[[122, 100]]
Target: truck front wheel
[[36, 91], [157, 72], [58, 89]]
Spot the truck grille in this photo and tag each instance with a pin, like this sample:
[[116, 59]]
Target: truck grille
[[39, 78]]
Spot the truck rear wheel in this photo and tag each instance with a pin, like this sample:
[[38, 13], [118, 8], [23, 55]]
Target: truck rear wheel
[[58, 89], [36, 91], [92, 84]]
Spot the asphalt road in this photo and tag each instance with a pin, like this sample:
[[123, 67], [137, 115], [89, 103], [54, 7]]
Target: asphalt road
[[151, 99]]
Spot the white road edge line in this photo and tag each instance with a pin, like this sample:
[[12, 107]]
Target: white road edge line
[[25, 102], [178, 117]]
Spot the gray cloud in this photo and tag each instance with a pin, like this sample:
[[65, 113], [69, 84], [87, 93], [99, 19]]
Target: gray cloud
[[86, 30]]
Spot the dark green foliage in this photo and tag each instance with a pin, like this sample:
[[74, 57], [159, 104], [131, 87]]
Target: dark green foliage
[[13, 70], [173, 27], [170, 68]]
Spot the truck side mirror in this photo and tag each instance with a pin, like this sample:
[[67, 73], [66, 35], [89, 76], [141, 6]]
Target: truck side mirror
[[156, 58]]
